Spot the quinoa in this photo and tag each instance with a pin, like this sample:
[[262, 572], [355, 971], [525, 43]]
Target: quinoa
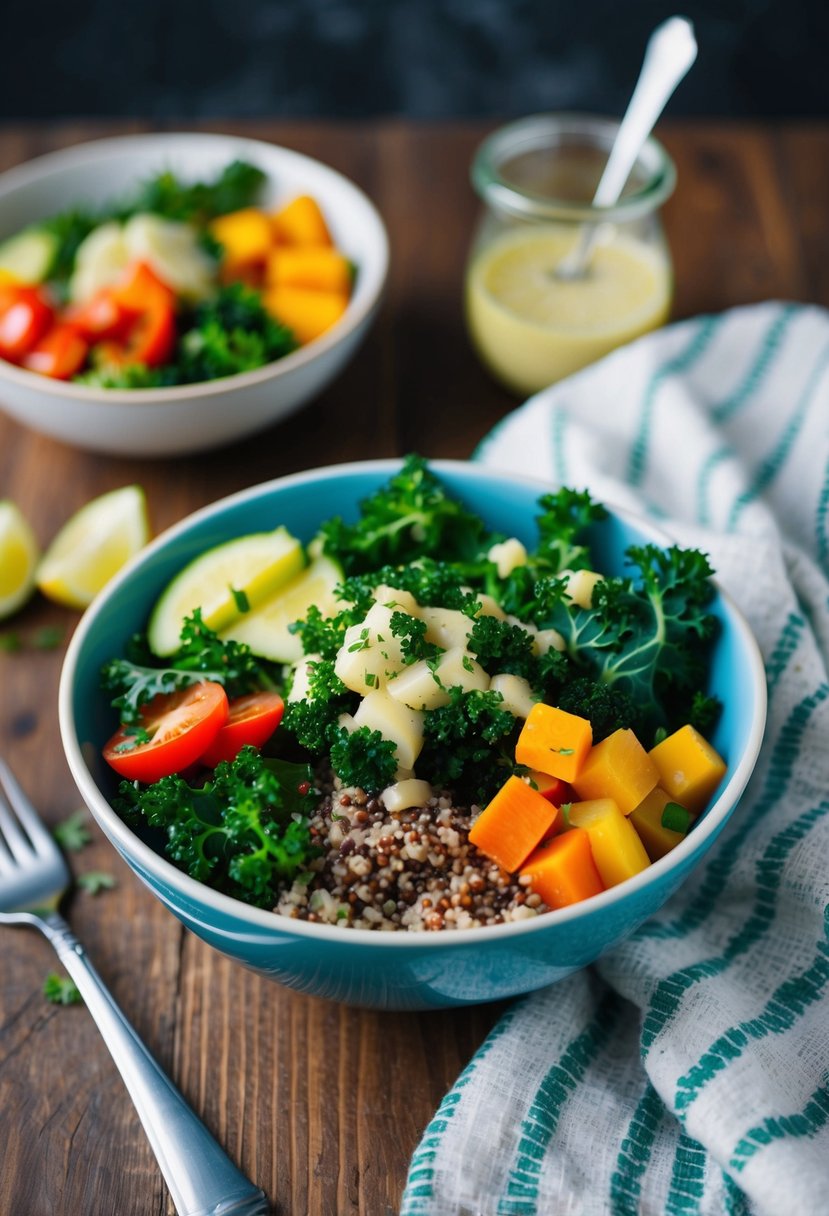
[[409, 870]]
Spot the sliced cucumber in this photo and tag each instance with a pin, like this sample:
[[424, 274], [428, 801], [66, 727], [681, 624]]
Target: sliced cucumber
[[28, 256], [266, 629], [224, 581]]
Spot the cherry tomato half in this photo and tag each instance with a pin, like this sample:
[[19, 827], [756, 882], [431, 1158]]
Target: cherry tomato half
[[181, 725], [250, 719]]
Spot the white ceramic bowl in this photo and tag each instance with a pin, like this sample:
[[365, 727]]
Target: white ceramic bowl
[[193, 417]]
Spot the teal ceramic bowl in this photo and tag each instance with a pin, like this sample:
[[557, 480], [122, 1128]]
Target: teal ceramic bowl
[[358, 966]]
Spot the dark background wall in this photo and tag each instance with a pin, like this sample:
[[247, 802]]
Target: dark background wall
[[419, 58]]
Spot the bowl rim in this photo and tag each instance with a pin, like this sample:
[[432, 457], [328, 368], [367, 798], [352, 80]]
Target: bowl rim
[[261, 918], [360, 305]]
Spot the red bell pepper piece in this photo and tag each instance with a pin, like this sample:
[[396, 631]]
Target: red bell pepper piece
[[60, 353], [149, 305]]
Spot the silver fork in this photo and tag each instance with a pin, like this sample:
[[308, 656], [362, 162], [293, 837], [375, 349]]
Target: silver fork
[[202, 1179]]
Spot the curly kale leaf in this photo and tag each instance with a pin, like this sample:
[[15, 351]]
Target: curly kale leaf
[[648, 633], [235, 187], [412, 633], [232, 332], [314, 720], [563, 545], [501, 646], [245, 832], [202, 655], [408, 517], [364, 758], [469, 745]]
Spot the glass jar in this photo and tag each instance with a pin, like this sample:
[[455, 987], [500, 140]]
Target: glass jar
[[536, 178]]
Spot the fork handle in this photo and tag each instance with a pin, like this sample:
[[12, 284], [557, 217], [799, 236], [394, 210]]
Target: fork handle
[[202, 1179]]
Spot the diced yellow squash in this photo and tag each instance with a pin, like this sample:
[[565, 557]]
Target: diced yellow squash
[[617, 850], [617, 768], [317, 267], [562, 870], [554, 741], [246, 237], [301, 222], [647, 818], [689, 768], [308, 314], [513, 823]]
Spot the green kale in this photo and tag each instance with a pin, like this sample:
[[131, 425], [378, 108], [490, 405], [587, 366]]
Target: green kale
[[237, 186], [647, 634], [563, 523], [231, 332], [95, 881], [502, 646], [61, 990], [314, 720], [412, 633], [408, 517], [202, 655], [320, 634], [130, 375], [364, 758], [244, 832], [73, 832], [609, 707], [70, 229], [469, 745]]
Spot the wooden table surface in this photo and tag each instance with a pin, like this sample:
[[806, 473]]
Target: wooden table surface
[[321, 1105]]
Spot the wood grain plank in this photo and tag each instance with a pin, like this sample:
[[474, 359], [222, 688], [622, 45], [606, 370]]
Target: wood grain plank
[[322, 1105]]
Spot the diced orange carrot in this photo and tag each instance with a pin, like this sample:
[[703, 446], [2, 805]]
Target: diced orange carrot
[[301, 222], [246, 237], [316, 267], [308, 313], [552, 788], [689, 768], [653, 819], [617, 850], [554, 741], [562, 870], [617, 768], [512, 824]]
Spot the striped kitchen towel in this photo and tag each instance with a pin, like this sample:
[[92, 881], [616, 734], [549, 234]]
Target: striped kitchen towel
[[688, 1071]]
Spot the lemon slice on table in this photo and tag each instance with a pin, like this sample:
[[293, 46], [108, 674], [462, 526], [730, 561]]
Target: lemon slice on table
[[267, 628], [93, 545], [19, 556], [224, 583]]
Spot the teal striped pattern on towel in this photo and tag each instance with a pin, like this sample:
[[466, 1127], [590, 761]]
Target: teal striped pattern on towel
[[687, 1073]]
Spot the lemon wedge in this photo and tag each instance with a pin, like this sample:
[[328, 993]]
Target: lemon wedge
[[225, 582], [267, 628], [19, 556], [93, 545]]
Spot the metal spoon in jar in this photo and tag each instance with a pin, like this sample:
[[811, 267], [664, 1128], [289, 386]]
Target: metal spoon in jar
[[669, 54]]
